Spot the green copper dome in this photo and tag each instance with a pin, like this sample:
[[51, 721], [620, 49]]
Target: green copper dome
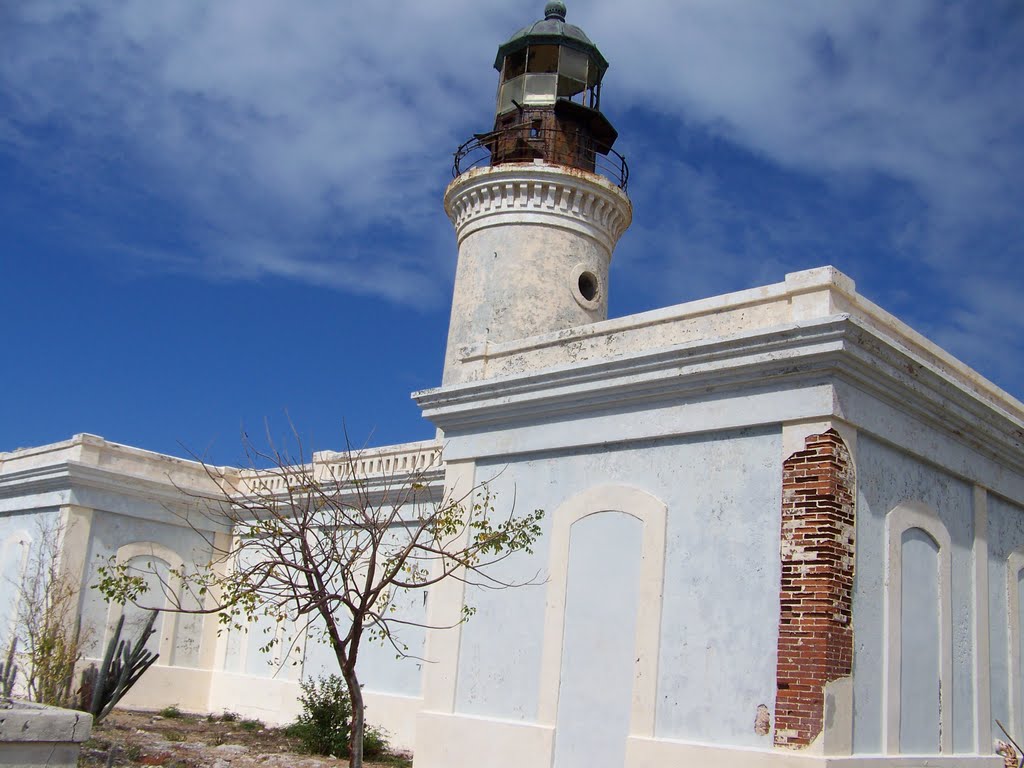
[[552, 30]]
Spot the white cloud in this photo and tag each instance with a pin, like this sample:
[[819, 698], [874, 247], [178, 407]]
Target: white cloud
[[905, 89], [294, 140], [271, 130]]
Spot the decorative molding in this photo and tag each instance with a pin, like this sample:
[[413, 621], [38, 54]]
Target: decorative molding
[[67, 475], [659, 753], [808, 296], [75, 535], [645, 377], [538, 194]]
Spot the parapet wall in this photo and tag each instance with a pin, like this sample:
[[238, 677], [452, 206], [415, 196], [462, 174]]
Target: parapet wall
[[803, 296]]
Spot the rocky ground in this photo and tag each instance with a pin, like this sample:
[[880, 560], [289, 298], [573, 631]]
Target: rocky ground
[[186, 741]]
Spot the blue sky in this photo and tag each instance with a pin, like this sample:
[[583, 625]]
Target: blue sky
[[211, 213]]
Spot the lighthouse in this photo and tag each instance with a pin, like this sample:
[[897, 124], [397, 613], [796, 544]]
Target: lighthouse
[[539, 202]]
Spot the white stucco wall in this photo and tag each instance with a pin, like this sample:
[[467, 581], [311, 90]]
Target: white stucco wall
[[719, 628], [886, 478], [378, 665]]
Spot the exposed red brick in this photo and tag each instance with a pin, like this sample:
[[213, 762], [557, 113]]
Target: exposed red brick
[[815, 632]]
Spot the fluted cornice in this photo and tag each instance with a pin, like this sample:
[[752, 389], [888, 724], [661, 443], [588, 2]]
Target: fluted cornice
[[535, 193]]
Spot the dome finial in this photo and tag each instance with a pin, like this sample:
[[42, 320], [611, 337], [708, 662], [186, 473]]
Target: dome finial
[[555, 10]]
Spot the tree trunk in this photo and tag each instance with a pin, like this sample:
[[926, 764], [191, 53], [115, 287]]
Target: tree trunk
[[355, 693]]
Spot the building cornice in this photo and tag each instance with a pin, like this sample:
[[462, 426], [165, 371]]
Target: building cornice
[[90, 471], [671, 372], [66, 481], [830, 350]]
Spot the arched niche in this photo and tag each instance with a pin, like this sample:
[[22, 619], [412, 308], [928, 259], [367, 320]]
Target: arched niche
[[912, 530], [651, 512], [160, 563]]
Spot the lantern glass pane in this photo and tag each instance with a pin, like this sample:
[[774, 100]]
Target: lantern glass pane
[[515, 65], [540, 89], [573, 64], [568, 88], [542, 59], [512, 90]]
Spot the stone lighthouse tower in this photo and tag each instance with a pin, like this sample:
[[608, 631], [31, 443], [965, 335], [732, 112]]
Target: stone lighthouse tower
[[539, 202]]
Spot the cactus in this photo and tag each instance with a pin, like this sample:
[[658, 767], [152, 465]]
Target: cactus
[[122, 666], [8, 671]]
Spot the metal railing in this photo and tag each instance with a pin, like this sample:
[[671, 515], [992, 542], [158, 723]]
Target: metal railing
[[524, 142]]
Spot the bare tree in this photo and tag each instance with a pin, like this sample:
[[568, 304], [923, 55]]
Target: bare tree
[[47, 622], [321, 544]]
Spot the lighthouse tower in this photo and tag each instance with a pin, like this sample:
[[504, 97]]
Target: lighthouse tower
[[539, 202]]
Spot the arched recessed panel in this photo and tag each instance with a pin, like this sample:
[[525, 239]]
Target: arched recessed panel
[[921, 691], [598, 648], [918, 633], [156, 573], [156, 564], [650, 512]]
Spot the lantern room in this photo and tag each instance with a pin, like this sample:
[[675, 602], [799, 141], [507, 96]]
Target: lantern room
[[549, 102], [548, 61]]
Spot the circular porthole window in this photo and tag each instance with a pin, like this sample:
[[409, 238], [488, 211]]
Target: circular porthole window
[[586, 287]]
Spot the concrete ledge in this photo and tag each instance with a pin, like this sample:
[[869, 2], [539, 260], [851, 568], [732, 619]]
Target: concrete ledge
[[33, 735], [657, 753]]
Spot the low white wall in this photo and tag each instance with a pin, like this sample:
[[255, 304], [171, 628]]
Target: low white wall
[[456, 741], [159, 687], [36, 736]]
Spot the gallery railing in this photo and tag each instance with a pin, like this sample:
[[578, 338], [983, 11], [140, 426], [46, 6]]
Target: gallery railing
[[524, 143]]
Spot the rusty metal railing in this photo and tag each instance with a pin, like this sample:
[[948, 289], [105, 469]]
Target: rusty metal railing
[[523, 143]]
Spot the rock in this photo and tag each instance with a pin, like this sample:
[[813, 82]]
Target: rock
[[231, 749]]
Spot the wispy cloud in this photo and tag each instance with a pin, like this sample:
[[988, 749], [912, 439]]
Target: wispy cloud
[[284, 142]]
